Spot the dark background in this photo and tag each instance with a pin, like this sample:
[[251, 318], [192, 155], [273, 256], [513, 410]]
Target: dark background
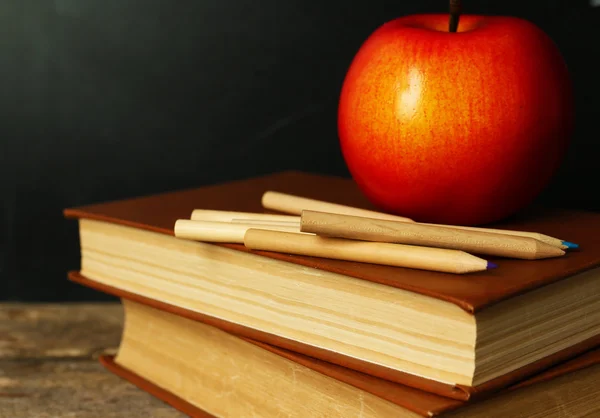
[[107, 99]]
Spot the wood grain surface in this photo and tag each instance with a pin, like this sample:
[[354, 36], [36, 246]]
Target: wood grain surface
[[49, 367]]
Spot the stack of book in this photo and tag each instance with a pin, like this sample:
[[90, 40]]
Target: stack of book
[[297, 317]]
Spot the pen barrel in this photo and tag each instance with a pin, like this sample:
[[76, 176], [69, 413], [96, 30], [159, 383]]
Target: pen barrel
[[209, 231], [536, 235], [287, 203], [294, 223], [368, 229], [229, 216], [433, 259]]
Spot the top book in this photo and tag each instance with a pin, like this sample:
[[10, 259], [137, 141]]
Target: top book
[[456, 335]]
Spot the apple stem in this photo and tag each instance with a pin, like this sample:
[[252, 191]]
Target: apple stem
[[455, 9]]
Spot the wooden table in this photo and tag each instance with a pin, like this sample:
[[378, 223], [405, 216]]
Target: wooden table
[[49, 367]]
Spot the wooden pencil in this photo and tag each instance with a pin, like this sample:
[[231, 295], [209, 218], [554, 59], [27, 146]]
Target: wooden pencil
[[294, 205], [226, 232], [555, 242], [381, 230], [398, 255], [268, 221], [228, 216], [288, 203], [535, 235]]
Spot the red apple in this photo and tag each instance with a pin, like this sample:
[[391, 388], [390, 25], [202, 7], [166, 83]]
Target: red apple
[[458, 128]]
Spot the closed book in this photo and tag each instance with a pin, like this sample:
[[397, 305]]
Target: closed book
[[455, 335], [204, 371]]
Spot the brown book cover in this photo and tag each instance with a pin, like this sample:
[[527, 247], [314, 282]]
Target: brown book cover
[[473, 292]]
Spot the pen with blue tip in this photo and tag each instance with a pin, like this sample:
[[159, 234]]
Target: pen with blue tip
[[472, 241], [293, 205]]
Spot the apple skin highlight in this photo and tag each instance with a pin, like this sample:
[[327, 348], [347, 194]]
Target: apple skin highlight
[[460, 128]]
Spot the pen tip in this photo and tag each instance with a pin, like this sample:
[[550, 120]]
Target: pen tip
[[491, 265], [570, 245]]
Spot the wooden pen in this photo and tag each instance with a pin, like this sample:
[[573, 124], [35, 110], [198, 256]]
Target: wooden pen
[[228, 216], [226, 232], [287, 203], [291, 204], [398, 255], [380, 230]]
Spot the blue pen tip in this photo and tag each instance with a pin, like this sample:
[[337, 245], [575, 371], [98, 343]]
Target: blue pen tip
[[491, 265], [570, 244]]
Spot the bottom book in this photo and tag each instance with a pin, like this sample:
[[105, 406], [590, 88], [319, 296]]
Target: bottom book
[[206, 372]]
